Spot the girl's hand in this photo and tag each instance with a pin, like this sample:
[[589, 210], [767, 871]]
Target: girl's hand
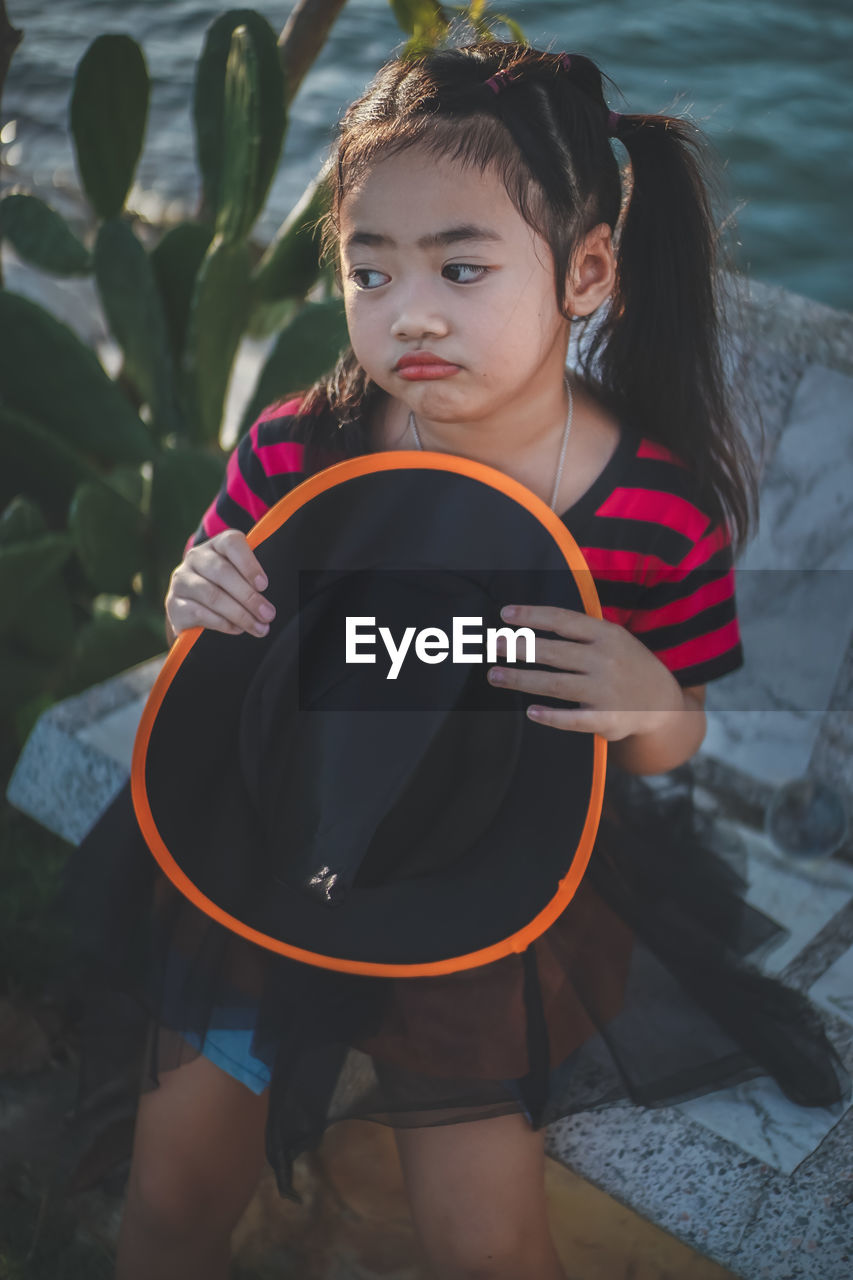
[[622, 687], [218, 586]]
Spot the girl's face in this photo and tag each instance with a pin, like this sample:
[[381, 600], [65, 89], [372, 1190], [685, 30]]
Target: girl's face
[[436, 260]]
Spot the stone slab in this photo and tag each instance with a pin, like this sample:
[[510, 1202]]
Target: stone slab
[[670, 1170], [799, 329], [78, 755], [832, 757], [802, 898], [802, 1227], [760, 1121], [761, 1223], [795, 593], [833, 990], [114, 734], [806, 505], [771, 746]]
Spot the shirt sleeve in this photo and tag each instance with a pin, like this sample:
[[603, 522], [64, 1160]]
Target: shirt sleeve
[[266, 464], [687, 614]]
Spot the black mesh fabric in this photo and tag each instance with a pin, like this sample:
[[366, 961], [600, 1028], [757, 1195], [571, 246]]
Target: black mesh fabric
[[641, 990]]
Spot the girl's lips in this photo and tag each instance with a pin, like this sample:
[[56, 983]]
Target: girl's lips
[[427, 372]]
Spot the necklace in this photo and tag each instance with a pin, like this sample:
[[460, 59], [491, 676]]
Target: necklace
[[566, 430]]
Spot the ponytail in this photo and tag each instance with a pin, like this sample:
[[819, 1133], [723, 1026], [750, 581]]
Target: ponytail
[[657, 353]]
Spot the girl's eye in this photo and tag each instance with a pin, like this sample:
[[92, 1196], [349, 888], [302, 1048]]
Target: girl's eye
[[365, 271], [479, 272]]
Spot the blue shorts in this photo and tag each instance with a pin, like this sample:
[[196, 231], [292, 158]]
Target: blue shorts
[[229, 1049]]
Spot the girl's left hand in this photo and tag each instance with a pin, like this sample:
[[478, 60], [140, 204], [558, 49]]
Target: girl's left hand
[[622, 687]]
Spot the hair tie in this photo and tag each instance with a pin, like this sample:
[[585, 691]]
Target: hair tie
[[501, 79], [613, 121]]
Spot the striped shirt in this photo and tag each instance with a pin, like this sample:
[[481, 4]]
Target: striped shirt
[[663, 568]]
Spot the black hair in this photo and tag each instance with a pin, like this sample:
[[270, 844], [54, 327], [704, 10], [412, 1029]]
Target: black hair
[[653, 354]]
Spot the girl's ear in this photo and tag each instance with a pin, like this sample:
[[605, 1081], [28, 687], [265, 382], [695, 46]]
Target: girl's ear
[[592, 275]]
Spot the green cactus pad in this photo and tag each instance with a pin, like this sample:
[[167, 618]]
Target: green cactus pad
[[175, 261], [41, 236], [24, 569], [108, 537], [49, 375], [21, 519], [184, 484], [218, 315], [291, 263], [45, 624], [106, 646], [241, 140], [22, 677], [109, 111], [33, 460], [306, 348], [41, 619], [209, 108], [131, 301]]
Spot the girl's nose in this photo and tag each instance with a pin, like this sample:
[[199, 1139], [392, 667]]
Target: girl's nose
[[417, 316]]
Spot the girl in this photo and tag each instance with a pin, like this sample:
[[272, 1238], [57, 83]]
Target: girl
[[476, 213]]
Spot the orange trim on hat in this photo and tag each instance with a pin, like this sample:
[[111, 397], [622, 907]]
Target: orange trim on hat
[[390, 460]]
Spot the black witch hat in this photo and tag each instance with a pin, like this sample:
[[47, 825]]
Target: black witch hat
[[350, 790]]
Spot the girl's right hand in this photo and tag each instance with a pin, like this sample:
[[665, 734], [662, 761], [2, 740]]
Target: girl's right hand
[[219, 586]]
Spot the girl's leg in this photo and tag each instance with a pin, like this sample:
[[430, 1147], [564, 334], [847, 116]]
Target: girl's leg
[[477, 1193], [198, 1152]]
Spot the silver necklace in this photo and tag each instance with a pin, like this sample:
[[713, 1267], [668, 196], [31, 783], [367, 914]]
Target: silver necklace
[[414, 427]]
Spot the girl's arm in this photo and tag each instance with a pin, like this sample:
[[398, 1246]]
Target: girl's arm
[[670, 745]]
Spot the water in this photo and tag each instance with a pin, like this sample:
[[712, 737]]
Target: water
[[768, 81]]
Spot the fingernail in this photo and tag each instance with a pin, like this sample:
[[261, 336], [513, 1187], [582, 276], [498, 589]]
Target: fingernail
[[509, 611], [261, 628], [260, 582], [267, 611], [497, 675]]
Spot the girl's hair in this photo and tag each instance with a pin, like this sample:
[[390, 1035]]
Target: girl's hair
[[654, 357]]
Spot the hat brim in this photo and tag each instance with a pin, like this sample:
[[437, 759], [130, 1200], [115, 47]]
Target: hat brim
[[516, 879]]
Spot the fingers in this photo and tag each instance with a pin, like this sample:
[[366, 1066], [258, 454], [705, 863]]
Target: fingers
[[561, 654], [546, 684], [217, 586], [563, 622], [232, 546], [578, 720], [185, 614]]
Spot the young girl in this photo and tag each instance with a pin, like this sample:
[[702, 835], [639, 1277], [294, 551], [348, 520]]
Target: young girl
[[475, 216]]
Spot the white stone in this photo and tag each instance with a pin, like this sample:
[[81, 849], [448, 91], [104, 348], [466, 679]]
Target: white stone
[[758, 1119]]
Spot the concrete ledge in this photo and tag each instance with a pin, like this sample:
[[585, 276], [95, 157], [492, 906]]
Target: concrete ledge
[[78, 755]]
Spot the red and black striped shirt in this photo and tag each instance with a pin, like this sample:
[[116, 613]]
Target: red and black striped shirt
[[662, 566]]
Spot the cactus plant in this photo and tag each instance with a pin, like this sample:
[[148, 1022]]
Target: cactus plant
[[128, 290], [121, 469], [109, 109], [102, 479], [246, 39], [78, 403], [41, 237]]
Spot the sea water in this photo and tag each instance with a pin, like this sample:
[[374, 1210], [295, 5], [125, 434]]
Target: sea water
[[769, 81]]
